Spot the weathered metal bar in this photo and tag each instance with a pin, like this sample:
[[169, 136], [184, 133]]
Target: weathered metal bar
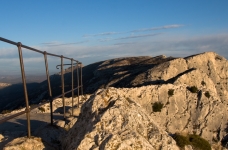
[[12, 116], [78, 84], [54, 55], [22, 112], [27, 111], [25, 88], [72, 81], [67, 57], [24, 46], [33, 49], [31, 108], [81, 80], [8, 41], [57, 67], [63, 94], [49, 86]]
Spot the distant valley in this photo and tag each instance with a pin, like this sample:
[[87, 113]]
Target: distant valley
[[13, 79], [11, 90]]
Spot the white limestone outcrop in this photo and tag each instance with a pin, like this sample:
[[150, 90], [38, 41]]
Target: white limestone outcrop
[[109, 120], [184, 111], [25, 143]]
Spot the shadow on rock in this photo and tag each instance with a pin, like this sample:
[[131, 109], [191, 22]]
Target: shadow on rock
[[61, 111], [86, 123]]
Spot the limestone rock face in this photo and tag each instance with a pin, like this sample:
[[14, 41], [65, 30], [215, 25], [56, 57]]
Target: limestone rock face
[[109, 120], [184, 111], [25, 143], [116, 117], [196, 78], [207, 71], [166, 70], [1, 137], [51, 135], [215, 66], [139, 71], [120, 72]]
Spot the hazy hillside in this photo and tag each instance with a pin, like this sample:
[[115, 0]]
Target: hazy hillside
[[15, 79], [95, 76]]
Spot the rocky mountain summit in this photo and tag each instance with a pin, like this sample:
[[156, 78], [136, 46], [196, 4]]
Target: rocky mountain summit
[[146, 70], [143, 102], [121, 72]]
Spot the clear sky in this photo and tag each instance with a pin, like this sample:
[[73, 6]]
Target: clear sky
[[91, 31]]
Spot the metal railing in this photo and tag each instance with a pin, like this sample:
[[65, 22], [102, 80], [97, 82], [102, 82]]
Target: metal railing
[[28, 108]]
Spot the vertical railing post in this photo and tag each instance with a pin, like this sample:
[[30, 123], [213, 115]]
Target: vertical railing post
[[81, 79], [78, 83], [63, 94], [25, 88], [49, 86], [72, 72]]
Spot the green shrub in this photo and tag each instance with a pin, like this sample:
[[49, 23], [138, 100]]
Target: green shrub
[[192, 139], [198, 142], [157, 106], [193, 89], [207, 94], [171, 92], [181, 140], [42, 109], [203, 83]]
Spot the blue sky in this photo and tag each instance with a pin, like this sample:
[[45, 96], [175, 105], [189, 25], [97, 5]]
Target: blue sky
[[91, 31]]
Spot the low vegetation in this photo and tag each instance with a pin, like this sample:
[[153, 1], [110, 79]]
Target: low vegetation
[[157, 106], [207, 94], [193, 89], [203, 83], [194, 140], [42, 109], [171, 92]]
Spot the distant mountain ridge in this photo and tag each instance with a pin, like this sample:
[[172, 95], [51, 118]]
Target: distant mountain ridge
[[128, 72], [133, 72], [192, 90]]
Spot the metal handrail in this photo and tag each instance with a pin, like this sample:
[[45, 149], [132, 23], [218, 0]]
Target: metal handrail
[[31, 108], [33, 49], [28, 109]]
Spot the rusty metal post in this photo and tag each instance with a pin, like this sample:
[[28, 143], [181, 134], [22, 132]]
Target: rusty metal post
[[81, 80], [49, 86], [72, 72], [78, 83], [63, 94], [25, 88]]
